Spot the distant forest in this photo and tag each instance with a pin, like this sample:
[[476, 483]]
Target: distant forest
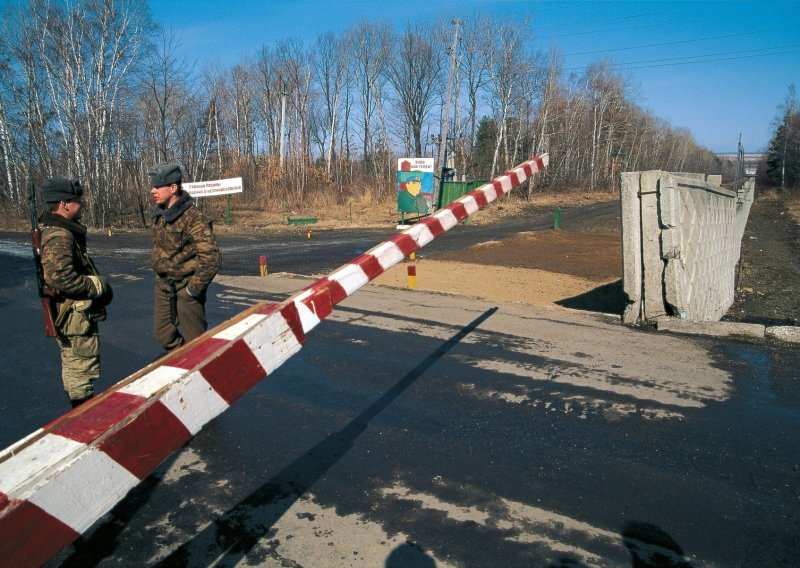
[[96, 90]]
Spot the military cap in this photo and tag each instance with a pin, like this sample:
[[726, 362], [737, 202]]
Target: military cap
[[164, 174], [61, 189]]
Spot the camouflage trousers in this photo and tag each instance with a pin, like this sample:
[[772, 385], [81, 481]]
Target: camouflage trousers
[[190, 317], [80, 364], [79, 340]]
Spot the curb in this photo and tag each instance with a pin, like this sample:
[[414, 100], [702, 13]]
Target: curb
[[786, 333]]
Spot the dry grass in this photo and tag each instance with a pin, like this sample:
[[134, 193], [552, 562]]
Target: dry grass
[[368, 212], [791, 200]]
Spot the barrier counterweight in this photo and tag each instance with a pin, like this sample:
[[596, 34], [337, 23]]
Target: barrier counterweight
[[56, 482]]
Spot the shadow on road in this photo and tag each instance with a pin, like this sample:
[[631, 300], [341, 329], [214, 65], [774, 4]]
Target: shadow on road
[[608, 299], [237, 531]]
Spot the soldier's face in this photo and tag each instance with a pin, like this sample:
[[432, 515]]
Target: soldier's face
[[73, 209], [163, 195]]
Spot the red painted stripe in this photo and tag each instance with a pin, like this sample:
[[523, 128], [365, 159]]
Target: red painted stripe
[[405, 243], [526, 167], [498, 187], [412, 270], [434, 225], [459, 211], [292, 318], [480, 198], [31, 536], [319, 302], [234, 372], [369, 264], [193, 357], [147, 440], [539, 163], [99, 417], [514, 178]]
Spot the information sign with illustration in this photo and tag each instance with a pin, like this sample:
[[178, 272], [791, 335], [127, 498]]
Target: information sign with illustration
[[415, 185]]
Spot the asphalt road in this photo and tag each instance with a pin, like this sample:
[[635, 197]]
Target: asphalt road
[[419, 430]]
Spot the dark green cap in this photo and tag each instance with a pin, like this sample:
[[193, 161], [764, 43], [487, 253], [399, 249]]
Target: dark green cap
[[164, 174], [61, 189]]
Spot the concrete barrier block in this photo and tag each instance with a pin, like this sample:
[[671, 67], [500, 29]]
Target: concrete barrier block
[[631, 245], [652, 263]]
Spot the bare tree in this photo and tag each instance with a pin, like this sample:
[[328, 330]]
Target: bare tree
[[504, 46], [369, 46], [415, 72], [167, 88], [330, 67]]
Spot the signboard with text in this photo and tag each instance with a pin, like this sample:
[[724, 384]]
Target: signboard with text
[[214, 187], [415, 185]]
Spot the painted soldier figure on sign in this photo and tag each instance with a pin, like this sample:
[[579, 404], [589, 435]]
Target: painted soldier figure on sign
[[81, 294], [185, 258]]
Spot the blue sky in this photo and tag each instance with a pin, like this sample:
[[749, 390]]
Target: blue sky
[[746, 54]]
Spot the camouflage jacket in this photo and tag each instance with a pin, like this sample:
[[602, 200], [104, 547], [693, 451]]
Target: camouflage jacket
[[184, 248], [66, 263]]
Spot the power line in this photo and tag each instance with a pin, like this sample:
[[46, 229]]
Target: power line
[[679, 42], [703, 58], [711, 59]]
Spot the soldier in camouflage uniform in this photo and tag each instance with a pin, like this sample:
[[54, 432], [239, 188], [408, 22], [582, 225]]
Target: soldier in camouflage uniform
[[185, 258], [81, 294]]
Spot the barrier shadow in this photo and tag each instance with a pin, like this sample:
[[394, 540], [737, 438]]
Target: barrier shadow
[[231, 536], [608, 299], [652, 547], [648, 545]]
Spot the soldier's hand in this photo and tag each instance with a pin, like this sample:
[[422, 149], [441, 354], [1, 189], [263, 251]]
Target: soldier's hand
[[103, 289], [100, 285]]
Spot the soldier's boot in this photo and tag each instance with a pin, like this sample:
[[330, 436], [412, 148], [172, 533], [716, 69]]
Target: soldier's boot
[[75, 402]]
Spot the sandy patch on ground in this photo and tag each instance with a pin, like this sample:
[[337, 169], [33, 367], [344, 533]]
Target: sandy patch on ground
[[494, 283], [535, 268]]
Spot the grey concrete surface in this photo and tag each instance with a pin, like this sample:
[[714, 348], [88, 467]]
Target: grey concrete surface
[[681, 240]]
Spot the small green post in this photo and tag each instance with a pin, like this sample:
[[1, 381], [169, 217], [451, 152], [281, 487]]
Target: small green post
[[228, 211], [557, 223]]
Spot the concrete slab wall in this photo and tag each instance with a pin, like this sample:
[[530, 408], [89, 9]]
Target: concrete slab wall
[[683, 260]]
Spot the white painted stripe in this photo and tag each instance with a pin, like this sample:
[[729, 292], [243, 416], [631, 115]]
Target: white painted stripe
[[308, 318], [80, 490], [149, 384], [469, 204], [240, 328], [420, 233], [194, 402], [489, 191], [505, 183], [388, 254], [19, 475], [275, 353], [521, 175], [446, 218], [350, 276], [272, 342]]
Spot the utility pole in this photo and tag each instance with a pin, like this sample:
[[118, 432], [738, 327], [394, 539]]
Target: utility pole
[[446, 116], [283, 136]]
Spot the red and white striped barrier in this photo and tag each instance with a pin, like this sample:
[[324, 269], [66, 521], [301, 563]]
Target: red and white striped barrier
[[55, 483]]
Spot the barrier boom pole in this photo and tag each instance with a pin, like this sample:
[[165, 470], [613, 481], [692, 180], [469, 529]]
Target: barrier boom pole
[[58, 481]]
